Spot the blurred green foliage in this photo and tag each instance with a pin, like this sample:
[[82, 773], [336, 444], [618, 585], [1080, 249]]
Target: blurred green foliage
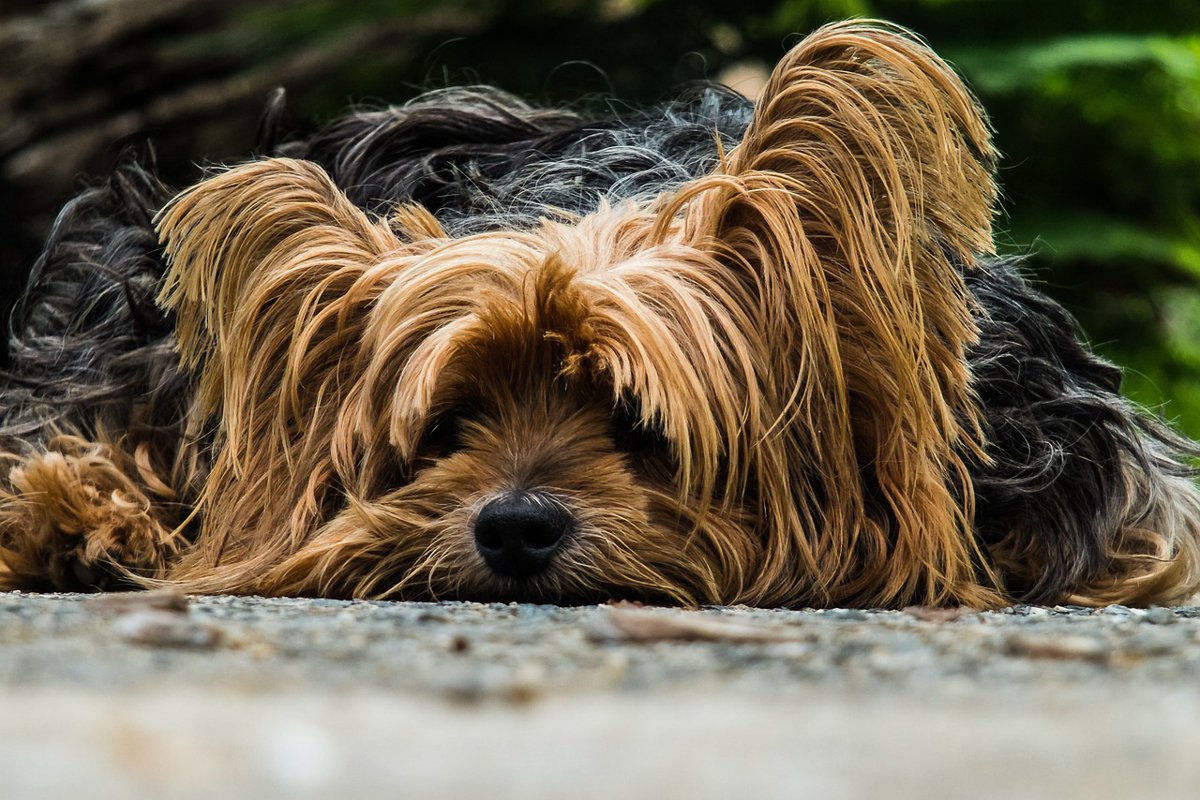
[[1096, 104]]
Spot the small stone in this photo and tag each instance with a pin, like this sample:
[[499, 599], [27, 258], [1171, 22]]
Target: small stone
[[1158, 615], [126, 602], [643, 625], [1023, 610], [934, 614], [1073, 610], [1059, 648], [157, 628]]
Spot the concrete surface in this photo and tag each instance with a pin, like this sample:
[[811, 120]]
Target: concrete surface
[[157, 696]]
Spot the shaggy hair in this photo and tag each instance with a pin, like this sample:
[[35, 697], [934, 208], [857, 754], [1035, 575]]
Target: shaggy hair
[[710, 352]]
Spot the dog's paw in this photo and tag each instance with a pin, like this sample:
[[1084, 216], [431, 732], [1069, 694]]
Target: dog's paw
[[71, 520]]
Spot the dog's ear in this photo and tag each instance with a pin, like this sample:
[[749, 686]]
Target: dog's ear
[[861, 189], [272, 272], [245, 248]]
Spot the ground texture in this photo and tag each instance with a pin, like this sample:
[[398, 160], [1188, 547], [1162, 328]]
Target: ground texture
[[162, 696]]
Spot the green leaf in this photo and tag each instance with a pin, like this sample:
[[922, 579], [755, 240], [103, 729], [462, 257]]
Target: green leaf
[[1000, 70]]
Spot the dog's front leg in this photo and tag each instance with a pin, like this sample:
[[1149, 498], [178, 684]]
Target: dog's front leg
[[72, 518]]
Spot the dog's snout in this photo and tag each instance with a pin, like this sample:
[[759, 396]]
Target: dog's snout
[[518, 534]]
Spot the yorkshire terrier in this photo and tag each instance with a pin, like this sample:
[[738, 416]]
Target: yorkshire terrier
[[712, 352]]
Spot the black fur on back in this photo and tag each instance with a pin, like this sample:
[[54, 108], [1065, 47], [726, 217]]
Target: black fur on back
[[480, 159], [90, 349], [1062, 440], [87, 342]]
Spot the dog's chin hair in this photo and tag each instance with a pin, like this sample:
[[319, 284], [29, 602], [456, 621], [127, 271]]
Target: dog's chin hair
[[595, 565], [757, 354]]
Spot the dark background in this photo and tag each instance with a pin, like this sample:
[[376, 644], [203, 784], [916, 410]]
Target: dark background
[[1096, 105]]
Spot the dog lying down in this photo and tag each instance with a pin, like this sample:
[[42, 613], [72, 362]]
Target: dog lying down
[[708, 352]]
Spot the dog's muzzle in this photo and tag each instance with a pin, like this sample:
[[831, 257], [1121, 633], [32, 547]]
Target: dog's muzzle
[[517, 534]]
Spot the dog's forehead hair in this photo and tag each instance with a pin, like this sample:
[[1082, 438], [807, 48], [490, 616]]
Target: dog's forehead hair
[[530, 389], [615, 298], [536, 307]]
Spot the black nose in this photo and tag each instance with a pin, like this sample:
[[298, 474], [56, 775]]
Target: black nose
[[517, 534]]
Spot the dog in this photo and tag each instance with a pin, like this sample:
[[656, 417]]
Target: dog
[[467, 348]]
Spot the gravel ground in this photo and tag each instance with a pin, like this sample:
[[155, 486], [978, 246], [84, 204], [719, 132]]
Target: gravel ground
[[161, 696]]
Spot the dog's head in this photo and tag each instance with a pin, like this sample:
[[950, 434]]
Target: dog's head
[[750, 389]]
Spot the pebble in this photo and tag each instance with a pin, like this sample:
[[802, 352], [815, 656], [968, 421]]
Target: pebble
[[126, 602], [1022, 610], [1081, 648], [1080, 611], [1116, 611], [630, 624], [1161, 616], [157, 628], [926, 614]]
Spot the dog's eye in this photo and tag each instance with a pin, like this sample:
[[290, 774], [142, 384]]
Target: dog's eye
[[633, 436], [443, 434]]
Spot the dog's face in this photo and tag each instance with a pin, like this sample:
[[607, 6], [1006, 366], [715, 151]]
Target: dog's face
[[559, 413], [750, 389], [556, 405]]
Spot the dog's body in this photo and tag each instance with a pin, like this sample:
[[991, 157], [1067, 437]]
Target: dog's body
[[708, 353]]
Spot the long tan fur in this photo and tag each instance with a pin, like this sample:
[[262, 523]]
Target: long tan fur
[[866, 171]]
